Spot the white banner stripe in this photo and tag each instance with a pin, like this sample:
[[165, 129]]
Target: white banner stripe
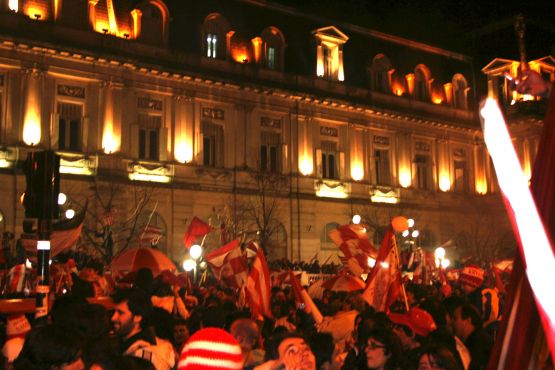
[[203, 362], [213, 347]]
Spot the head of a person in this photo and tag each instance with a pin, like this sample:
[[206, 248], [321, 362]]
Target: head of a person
[[323, 348], [471, 278], [246, 332], [383, 349], [180, 332], [438, 357], [132, 307], [51, 347], [412, 325], [209, 349], [295, 353], [466, 319]]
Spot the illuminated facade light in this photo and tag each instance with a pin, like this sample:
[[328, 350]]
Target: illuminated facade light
[[404, 178], [444, 183], [78, 164], [356, 219], [357, 173], [183, 152], [306, 167], [385, 195], [481, 187], [139, 172], [14, 5]]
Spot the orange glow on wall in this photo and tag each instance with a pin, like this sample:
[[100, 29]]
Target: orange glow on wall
[[34, 12], [136, 15], [110, 139], [404, 177], [448, 89], [183, 150], [398, 89], [31, 120], [410, 82], [436, 99], [239, 54], [257, 48], [481, 187]]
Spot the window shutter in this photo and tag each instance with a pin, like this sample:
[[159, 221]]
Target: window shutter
[[319, 172], [84, 134], [163, 144], [54, 130], [134, 150], [284, 159], [342, 165]]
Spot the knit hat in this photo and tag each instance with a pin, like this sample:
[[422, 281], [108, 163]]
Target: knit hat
[[211, 349], [17, 325], [472, 275], [418, 320]]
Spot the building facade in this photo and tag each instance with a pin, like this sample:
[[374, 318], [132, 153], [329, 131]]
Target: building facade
[[241, 111]]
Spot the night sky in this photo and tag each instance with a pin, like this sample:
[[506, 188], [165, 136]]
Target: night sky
[[482, 29]]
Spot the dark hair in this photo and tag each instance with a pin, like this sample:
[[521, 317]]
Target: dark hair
[[322, 346], [137, 300], [47, 347], [451, 303], [443, 356], [392, 346], [95, 265], [469, 311]]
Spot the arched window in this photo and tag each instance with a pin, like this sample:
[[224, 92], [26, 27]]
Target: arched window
[[213, 36], [379, 74], [421, 83], [460, 88], [273, 45], [154, 22], [277, 242]]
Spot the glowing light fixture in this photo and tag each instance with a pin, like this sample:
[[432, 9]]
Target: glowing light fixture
[[62, 198], [415, 233], [404, 178], [70, 213], [538, 253], [445, 263], [371, 262], [189, 264], [195, 251], [356, 219], [332, 189], [306, 167], [405, 233], [14, 5], [440, 253], [357, 173], [444, 183], [183, 152], [410, 222]]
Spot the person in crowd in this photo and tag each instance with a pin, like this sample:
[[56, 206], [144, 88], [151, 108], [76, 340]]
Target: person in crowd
[[384, 352], [412, 328], [341, 322], [438, 357], [51, 347], [93, 272], [180, 334], [467, 325], [246, 332], [485, 299], [131, 312], [290, 352], [211, 349]]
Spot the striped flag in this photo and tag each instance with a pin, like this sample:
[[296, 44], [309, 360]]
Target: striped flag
[[16, 279], [353, 241], [150, 235], [228, 264], [258, 286], [60, 240], [383, 285]]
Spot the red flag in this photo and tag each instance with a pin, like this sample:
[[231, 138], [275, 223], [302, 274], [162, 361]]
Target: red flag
[[258, 286], [384, 282], [197, 228], [513, 348], [297, 289], [16, 279], [228, 264]]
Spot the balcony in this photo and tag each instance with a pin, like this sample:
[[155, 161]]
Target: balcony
[[332, 189], [150, 171]]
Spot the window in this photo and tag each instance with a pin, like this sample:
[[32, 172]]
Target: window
[[149, 136], [459, 91], [328, 61], [379, 74], [423, 171], [329, 160], [212, 144], [461, 176], [421, 78], [211, 45], [69, 126], [329, 53], [382, 167], [270, 152], [271, 60]]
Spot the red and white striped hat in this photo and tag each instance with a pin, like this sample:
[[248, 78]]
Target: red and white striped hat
[[211, 349], [472, 275]]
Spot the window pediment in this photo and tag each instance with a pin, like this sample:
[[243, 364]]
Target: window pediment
[[331, 35]]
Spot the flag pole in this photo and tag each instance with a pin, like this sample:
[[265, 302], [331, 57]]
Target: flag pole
[[148, 222], [403, 291]]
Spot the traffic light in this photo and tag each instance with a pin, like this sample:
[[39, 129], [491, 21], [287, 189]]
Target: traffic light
[[42, 172]]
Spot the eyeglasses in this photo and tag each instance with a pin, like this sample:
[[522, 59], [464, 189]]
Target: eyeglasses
[[374, 345]]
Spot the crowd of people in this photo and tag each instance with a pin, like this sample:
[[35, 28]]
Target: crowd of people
[[153, 325]]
